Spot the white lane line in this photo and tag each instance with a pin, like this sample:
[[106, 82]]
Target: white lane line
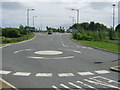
[[52, 58], [18, 51], [55, 87], [77, 51], [4, 72], [74, 85], [84, 47], [36, 57], [65, 74], [85, 84], [102, 71], [64, 86], [62, 42], [97, 82], [8, 84], [90, 48], [44, 75], [85, 73], [78, 46], [22, 50], [22, 74], [109, 80]]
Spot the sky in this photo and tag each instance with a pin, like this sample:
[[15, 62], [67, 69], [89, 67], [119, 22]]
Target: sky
[[56, 13]]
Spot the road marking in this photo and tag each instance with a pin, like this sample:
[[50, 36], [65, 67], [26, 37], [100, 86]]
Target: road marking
[[5, 45], [36, 57], [84, 47], [109, 80], [97, 82], [62, 42], [102, 71], [22, 74], [64, 86], [65, 74], [74, 85], [8, 84], [77, 51], [4, 72], [85, 73], [22, 50], [71, 50], [90, 48], [48, 52], [85, 84], [52, 58], [78, 46], [44, 75], [55, 87]]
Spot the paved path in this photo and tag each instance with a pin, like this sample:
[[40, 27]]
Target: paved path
[[56, 62]]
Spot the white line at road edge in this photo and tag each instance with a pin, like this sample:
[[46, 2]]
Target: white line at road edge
[[52, 58], [8, 84]]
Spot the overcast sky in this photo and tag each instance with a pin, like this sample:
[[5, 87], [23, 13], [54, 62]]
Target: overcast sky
[[56, 13]]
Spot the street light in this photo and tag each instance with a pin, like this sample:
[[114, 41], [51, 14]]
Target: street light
[[77, 14], [28, 16], [33, 20], [113, 15], [72, 19]]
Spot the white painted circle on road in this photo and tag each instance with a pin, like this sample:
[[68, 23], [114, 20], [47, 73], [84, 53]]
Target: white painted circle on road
[[48, 52]]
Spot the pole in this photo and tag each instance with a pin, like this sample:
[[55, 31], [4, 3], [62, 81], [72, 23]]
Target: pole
[[113, 15], [77, 16], [41, 22], [33, 21], [28, 17]]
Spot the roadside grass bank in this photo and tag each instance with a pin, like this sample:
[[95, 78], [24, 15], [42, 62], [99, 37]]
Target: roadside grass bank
[[4, 40], [99, 44]]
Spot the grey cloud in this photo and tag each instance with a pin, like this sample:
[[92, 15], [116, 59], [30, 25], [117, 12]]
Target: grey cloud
[[119, 12], [100, 5], [12, 5]]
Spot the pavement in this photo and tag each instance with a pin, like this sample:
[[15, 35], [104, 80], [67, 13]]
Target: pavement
[[56, 62]]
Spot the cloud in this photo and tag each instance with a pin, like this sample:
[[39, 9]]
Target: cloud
[[100, 5], [119, 12], [12, 5]]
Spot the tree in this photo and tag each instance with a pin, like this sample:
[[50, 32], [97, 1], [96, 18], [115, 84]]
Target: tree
[[117, 28]]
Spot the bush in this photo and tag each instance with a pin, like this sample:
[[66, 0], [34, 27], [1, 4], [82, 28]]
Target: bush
[[11, 32]]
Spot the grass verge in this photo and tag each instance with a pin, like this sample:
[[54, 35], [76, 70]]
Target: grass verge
[[16, 40], [102, 45]]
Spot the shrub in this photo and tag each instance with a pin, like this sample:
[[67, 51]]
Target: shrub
[[10, 32]]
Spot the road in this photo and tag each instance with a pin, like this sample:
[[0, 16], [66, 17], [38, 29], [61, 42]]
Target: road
[[54, 61]]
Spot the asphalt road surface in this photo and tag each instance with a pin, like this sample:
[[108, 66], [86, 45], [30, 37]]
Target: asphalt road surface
[[56, 62]]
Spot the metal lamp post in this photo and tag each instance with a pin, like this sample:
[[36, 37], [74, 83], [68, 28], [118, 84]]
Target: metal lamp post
[[113, 15], [77, 18], [77, 14], [28, 16], [72, 19], [33, 20]]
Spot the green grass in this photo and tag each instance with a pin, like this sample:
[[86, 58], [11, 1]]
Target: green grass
[[16, 40], [102, 45]]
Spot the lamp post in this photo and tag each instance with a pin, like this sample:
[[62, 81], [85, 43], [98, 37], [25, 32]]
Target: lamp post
[[33, 20], [77, 19], [113, 15], [72, 19], [77, 14], [28, 16]]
